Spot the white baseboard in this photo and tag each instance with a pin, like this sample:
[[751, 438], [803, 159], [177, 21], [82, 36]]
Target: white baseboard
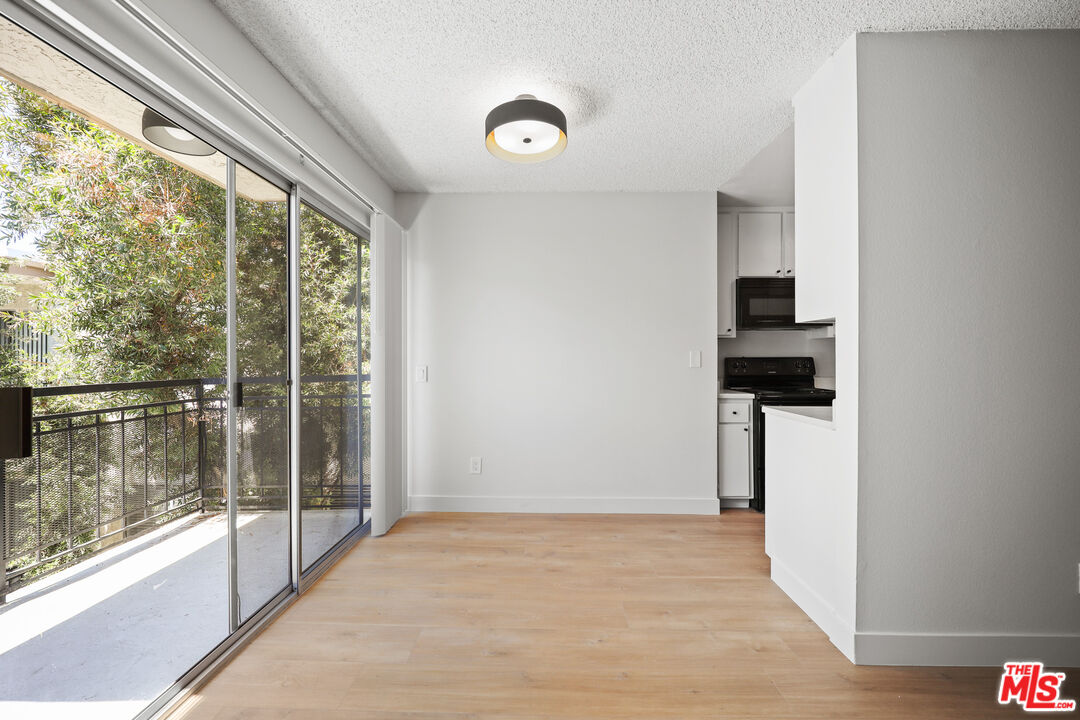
[[490, 503], [729, 503], [1054, 651], [820, 611]]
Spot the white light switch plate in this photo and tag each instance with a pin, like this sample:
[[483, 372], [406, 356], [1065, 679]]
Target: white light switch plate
[[695, 358], [476, 465], [421, 373]]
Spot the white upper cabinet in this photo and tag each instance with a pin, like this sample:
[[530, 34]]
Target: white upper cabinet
[[787, 243], [750, 242], [761, 245], [725, 274], [827, 186]]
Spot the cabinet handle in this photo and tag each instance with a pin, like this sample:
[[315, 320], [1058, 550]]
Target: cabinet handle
[[788, 272], [777, 272], [734, 412], [746, 429]]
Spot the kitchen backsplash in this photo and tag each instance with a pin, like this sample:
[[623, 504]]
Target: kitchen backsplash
[[780, 343]]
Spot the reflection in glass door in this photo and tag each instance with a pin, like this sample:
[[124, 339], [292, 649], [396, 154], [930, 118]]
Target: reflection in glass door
[[113, 552], [262, 412], [333, 310]]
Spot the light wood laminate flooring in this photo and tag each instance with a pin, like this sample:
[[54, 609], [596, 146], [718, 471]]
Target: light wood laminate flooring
[[454, 616]]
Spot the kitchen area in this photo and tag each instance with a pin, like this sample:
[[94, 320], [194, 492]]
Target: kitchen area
[[766, 360], [787, 372]]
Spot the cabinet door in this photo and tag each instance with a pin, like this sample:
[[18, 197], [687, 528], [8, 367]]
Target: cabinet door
[[760, 245], [734, 449], [725, 274], [788, 244]]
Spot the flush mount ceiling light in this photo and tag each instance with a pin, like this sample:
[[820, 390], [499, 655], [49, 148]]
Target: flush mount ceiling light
[[170, 136], [526, 130]]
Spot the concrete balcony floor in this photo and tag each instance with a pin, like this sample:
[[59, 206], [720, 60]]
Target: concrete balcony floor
[[103, 638]]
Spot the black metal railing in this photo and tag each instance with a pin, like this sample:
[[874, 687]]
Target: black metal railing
[[100, 476]]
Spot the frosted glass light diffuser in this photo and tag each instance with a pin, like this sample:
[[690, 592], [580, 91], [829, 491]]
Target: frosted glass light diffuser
[[526, 130]]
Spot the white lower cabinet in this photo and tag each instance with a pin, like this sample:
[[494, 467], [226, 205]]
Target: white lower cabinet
[[733, 447]]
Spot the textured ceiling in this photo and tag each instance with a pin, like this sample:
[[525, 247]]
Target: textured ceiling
[[659, 96]]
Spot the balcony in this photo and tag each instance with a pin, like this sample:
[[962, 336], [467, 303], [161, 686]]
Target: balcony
[[114, 532]]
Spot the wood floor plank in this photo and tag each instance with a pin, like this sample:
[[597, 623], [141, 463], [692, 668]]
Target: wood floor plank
[[480, 616]]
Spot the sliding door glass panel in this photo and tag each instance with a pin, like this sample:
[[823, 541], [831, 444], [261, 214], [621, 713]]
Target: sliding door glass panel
[[112, 301], [262, 415], [330, 449]]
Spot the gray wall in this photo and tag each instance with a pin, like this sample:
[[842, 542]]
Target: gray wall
[[969, 457], [557, 329]]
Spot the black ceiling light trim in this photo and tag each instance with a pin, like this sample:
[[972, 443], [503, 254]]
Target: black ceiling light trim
[[525, 130], [169, 136]]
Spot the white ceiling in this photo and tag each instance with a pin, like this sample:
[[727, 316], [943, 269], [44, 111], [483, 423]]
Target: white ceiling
[[659, 96]]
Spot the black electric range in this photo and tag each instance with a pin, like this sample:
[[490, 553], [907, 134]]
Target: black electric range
[[772, 381]]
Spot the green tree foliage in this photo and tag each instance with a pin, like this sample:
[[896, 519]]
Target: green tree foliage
[[10, 367], [137, 246]]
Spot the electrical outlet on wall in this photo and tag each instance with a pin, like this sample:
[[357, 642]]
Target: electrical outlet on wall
[[476, 465]]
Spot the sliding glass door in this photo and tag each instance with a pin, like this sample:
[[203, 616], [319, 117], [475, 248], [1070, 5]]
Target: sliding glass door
[[145, 310], [261, 392], [113, 556], [334, 263]]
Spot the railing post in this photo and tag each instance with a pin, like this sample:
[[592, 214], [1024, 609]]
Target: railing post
[[97, 470], [165, 450], [146, 461], [123, 467], [3, 531], [37, 553], [183, 449], [322, 451], [201, 450], [70, 486], [343, 439]]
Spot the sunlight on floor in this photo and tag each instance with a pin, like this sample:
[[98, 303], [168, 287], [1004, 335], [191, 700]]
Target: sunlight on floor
[[105, 637]]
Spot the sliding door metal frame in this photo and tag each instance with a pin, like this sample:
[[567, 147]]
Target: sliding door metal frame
[[49, 20], [205, 669], [327, 561], [360, 359], [181, 47], [295, 484], [303, 579], [41, 21], [232, 392], [337, 215]]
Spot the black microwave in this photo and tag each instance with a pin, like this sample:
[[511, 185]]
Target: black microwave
[[766, 304]]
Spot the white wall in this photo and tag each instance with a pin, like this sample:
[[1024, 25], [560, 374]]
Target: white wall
[[969, 465], [809, 534], [389, 372], [557, 330], [812, 474]]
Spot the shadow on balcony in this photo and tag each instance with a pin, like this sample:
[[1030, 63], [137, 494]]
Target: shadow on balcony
[[114, 536]]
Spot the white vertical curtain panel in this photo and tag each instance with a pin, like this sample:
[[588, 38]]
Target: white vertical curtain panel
[[388, 470]]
